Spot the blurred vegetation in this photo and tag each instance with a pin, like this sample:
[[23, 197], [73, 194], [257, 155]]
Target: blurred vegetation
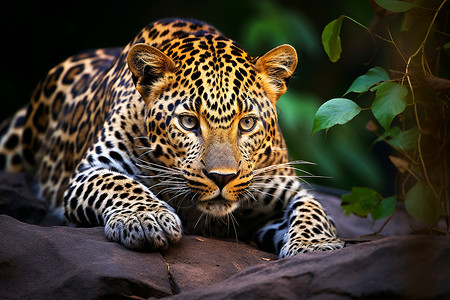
[[37, 36]]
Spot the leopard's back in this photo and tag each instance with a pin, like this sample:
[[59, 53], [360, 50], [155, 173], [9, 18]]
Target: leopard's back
[[49, 136]]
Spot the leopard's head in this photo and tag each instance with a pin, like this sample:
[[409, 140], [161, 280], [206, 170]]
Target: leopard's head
[[211, 115]]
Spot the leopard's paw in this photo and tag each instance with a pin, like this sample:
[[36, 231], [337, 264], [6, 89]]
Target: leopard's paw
[[144, 229], [297, 246]]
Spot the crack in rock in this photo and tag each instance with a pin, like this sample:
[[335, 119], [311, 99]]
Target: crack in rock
[[173, 286]]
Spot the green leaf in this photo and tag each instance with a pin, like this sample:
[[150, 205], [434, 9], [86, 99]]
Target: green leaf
[[390, 100], [404, 140], [331, 40], [361, 201], [365, 82], [421, 203], [447, 48], [395, 5], [333, 112], [384, 209]]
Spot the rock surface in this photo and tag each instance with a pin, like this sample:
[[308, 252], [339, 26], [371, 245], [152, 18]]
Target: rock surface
[[61, 262], [409, 267]]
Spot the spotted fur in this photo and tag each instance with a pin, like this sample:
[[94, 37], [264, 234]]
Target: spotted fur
[[176, 130]]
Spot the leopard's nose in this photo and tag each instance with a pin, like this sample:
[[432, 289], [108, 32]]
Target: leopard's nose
[[220, 179]]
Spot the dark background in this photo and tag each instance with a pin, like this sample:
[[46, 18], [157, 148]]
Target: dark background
[[37, 36]]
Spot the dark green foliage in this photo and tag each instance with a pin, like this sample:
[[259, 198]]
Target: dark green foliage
[[413, 99]]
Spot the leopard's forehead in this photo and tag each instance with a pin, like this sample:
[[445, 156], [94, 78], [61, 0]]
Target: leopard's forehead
[[216, 77]]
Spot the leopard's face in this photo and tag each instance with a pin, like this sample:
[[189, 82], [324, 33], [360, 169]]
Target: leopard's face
[[211, 116]]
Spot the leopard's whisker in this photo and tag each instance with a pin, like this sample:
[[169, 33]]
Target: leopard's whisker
[[234, 223], [287, 165], [264, 193], [263, 177], [157, 167], [144, 153], [170, 184], [198, 221], [141, 137], [249, 196]]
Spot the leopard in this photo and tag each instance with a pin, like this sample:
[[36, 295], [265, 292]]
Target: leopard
[[174, 134]]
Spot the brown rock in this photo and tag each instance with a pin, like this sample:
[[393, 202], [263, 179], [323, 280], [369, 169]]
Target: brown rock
[[74, 263], [407, 267], [198, 262], [79, 263], [17, 199]]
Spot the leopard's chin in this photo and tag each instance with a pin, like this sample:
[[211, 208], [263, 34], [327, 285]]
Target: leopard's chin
[[217, 207]]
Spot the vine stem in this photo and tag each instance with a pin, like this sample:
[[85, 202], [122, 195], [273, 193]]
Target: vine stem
[[395, 45], [421, 49], [445, 188], [419, 139], [368, 29], [422, 45]]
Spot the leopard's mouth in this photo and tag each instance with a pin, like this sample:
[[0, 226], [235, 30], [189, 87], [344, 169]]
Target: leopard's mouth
[[218, 206]]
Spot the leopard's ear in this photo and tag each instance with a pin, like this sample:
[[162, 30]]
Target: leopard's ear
[[276, 67], [151, 70]]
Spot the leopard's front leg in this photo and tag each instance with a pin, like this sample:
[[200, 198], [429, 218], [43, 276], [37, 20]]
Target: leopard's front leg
[[130, 212], [304, 228]]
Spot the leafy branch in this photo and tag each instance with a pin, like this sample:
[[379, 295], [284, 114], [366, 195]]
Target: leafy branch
[[413, 111]]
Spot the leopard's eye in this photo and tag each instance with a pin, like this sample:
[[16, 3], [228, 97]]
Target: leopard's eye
[[188, 122], [247, 124]]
